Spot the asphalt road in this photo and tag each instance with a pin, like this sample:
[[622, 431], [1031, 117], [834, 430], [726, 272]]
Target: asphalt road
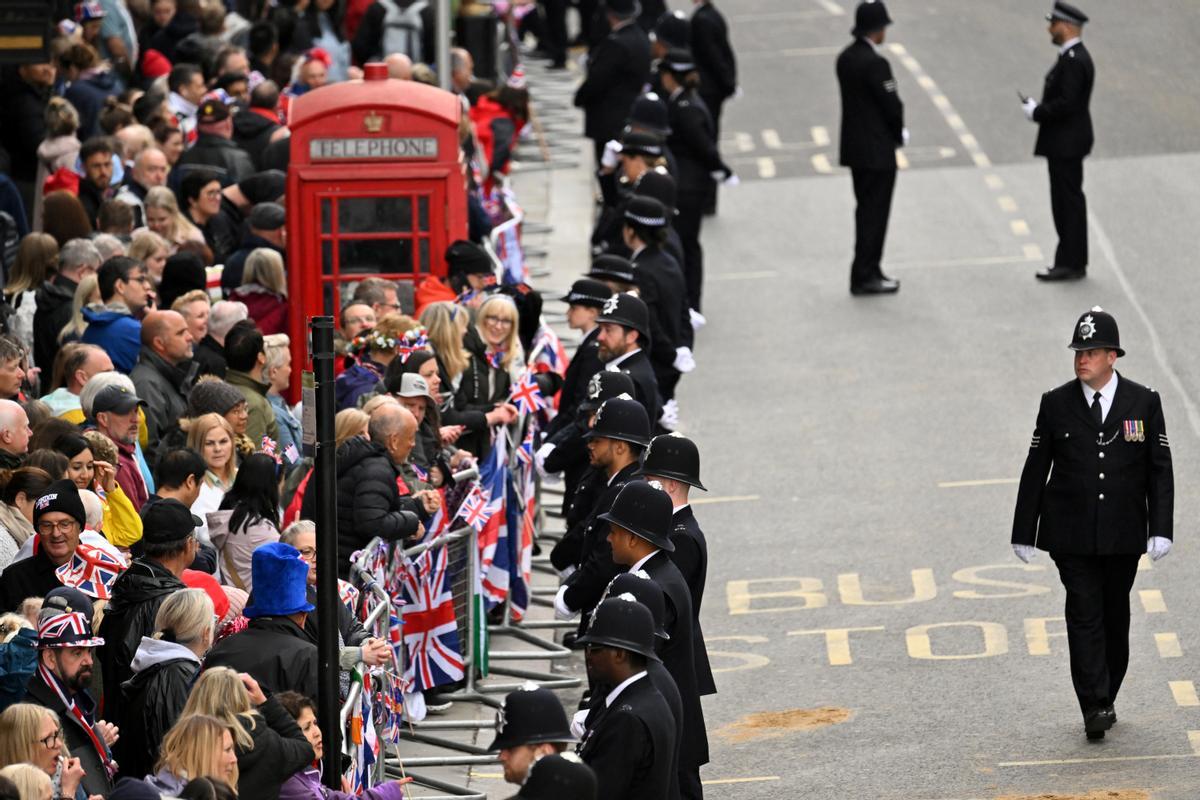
[[875, 635]]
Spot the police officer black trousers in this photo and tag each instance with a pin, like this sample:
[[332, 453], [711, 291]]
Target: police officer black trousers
[[1069, 206], [1097, 616], [873, 194]]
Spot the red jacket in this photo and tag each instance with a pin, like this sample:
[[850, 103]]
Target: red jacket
[[266, 308]]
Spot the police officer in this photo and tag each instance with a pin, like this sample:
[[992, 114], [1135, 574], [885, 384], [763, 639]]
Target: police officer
[[663, 288], [693, 140], [648, 593], [1065, 138], [621, 167], [715, 59], [629, 742], [618, 68], [624, 338], [1109, 498], [640, 538], [872, 129], [673, 460], [619, 434], [529, 725]]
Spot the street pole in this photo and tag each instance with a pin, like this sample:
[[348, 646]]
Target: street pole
[[443, 44], [324, 481]]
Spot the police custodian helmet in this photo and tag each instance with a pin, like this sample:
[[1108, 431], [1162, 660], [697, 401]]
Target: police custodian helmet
[[1096, 330]]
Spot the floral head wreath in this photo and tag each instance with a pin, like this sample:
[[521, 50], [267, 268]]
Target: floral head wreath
[[414, 339], [372, 339]]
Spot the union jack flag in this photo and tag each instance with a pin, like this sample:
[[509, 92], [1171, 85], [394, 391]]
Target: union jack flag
[[362, 743], [549, 350], [58, 625], [348, 594], [526, 394], [475, 509], [525, 451], [92, 571], [429, 626], [494, 552]]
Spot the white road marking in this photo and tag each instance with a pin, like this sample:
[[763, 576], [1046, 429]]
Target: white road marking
[[821, 164], [1168, 645], [724, 781], [766, 167], [770, 138], [987, 261], [1184, 693], [982, 482], [833, 8], [733, 498], [1156, 345], [1019, 227], [929, 85], [1033, 252], [790, 52], [993, 181], [741, 276], [1152, 601], [901, 159], [820, 135], [1007, 204], [743, 141]]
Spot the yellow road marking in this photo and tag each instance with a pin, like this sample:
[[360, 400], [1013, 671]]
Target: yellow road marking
[[1007, 203], [1019, 227], [1152, 601], [901, 160], [722, 781], [820, 135], [1032, 252], [837, 642], [1168, 645], [994, 182], [821, 164], [1193, 735], [771, 139], [1184, 693], [1194, 739], [766, 167], [984, 482], [733, 498]]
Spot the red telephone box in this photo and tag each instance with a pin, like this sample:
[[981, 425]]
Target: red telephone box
[[375, 190]]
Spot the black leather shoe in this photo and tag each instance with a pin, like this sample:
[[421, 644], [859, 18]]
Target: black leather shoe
[[1061, 274], [1113, 711], [1095, 736], [1098, 721], [876, 286]]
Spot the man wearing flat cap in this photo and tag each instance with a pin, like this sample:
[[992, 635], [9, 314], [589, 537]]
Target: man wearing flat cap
[[872, 129], [1065, 137], [1109, 498]]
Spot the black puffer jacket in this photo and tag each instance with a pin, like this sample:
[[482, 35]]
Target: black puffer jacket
[[152, 701], [54, 300], [280, 750], [136, 596], [252, 132], [368, 500]]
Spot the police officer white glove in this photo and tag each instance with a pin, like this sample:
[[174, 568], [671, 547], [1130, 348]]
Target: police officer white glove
[[1157, 547], [684, 361], [539, 458], [1025, 552], [1029, 104], [738, 94], [609, 158], [561, 610], [904, 136], [577, 723]]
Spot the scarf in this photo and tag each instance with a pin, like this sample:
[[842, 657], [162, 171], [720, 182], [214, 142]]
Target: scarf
[[13, 521], [72, 707]]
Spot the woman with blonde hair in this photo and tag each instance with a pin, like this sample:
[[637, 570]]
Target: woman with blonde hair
[[164, 669], [86, 293], [446, 324], [37, 257], [32, 734], [199, 746], [212, 437], [29, 781], [164, 218], [152, 250], [496, 361], [270, 747], [264, 290], [59, 150]]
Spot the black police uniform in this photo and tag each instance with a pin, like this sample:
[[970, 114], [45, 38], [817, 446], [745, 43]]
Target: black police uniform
[[663, 289], [871, 129], [618, 68], [638, 367], [1065, 137], [596, 568], [693, 140], [690, 556], [1110, 487], [682, 656], [714, 58], [630, 743]]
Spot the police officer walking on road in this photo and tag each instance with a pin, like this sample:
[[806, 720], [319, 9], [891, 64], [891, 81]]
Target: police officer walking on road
[[872, 129], [1065, 138], [1110, 497]]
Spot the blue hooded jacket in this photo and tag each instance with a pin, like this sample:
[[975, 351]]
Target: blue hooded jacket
[[18, 662], [117, 332]]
